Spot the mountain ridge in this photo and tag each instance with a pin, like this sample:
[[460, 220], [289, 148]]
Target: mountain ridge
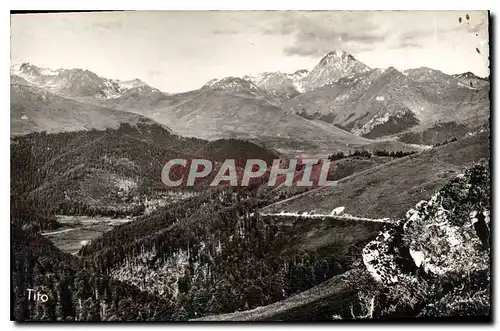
[[76, 82], [339, 91]]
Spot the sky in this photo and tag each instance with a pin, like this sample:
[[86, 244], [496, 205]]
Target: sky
[[178, 51]]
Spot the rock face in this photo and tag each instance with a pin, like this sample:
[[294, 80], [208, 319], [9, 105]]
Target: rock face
[[446, 235], [379, 261], [383, 102]]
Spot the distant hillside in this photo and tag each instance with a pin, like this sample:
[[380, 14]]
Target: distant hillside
[[111, 172], [34, 110], [440, 133], [305, 113], [415, 177], [241, 150], [213, 114]]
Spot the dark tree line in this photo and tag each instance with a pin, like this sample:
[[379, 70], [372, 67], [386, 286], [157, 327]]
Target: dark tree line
[[446, 142], [368, 154]]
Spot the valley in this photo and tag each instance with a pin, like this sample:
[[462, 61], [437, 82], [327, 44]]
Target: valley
[[83, 230]]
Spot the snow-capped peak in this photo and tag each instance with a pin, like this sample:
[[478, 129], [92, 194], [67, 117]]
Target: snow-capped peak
[[231, 84], [338, 53], [300, 73], [333, 66], [76, 82], [278, 81], [129, 84]]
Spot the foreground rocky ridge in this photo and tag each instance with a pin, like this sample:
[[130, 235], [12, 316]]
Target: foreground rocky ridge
[[447, 234], [437, 256]]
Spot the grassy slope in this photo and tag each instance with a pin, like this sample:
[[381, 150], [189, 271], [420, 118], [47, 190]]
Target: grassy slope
[[335, 234], [328, 296], [390, 189]]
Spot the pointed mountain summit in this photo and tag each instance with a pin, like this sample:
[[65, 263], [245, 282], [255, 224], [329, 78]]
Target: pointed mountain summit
[[333, 66]]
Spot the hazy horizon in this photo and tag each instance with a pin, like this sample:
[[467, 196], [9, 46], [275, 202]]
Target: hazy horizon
[[181, 51]]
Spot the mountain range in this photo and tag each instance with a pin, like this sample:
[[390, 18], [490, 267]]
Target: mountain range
[[78, 82], [340, 104]]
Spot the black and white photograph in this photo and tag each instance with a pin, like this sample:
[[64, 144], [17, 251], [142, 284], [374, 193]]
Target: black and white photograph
[[250, 166]]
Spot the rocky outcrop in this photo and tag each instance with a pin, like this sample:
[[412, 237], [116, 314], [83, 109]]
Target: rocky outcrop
[[448, 234]]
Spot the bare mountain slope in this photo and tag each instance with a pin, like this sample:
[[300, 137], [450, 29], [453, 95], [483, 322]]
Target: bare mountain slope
[[383, 102], [34, 109], [212, 114], [326, 297]]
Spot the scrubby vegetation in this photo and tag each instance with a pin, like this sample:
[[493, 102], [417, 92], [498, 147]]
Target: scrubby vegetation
[[436, 134], [446, 142]]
